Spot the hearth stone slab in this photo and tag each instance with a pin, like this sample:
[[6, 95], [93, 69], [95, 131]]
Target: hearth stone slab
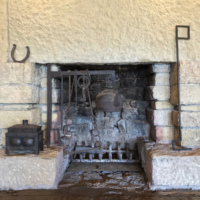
[[19, 172], [168, 169]]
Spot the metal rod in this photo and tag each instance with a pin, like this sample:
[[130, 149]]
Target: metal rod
[[178, 83], [49, 104], [78, 73], [62, 103]]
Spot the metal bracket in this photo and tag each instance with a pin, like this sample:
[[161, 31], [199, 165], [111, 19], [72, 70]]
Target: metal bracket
[[13, 54], [178, 80]]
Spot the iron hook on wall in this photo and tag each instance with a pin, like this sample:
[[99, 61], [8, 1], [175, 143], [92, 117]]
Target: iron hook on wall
[[13, 54], [178, 82]]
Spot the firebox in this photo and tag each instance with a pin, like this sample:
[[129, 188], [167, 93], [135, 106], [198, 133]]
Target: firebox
[[103, 112]]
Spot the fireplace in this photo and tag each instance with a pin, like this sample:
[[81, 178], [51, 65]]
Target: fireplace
[[116, 130]]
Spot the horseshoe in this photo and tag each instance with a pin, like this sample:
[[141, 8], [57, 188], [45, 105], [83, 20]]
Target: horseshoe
[[13, 52]]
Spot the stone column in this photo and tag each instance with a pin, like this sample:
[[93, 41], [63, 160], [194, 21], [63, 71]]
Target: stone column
[[159, 114], [190, 102]]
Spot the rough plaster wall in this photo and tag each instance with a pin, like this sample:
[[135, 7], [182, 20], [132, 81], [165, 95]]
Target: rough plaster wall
[[105, 31], [3, 31]]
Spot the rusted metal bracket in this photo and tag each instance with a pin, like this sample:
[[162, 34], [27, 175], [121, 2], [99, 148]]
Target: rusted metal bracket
[[61, 75], [178, 81], [13, 54]]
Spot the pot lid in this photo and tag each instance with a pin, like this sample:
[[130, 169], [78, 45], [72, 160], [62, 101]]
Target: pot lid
[[24, 127]]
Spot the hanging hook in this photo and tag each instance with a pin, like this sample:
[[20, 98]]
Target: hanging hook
[[13, 52]]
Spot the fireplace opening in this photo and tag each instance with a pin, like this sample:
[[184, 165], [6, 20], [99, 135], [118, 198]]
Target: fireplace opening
[[102, 111]]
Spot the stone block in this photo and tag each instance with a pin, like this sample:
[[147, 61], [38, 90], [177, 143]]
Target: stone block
[[113, 114], [162, 134], [161, 93], [55, 83], [159, 79], [190, 137], [12, 117], [136, 128], [42, 171], [133, 82], [19, 94], [161, 105], [159, 68], [136, 93], [143, 104], [189, 94], [55, 96], [17, 106], [121, 124], [137, 72], [3, 137], [188, 107], [110, 122], [55, 117], [168, 169], [130, 114], [99, 114], [54, 108], [159, 117], [189, 72], [42, 70], [21, 73], [188, 118], [4, 31]]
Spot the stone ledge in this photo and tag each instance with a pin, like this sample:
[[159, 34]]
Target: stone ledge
[[43, 171], [168, 169]]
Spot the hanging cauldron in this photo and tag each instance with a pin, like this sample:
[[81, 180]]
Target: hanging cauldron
[[24, 138], [109, 101]]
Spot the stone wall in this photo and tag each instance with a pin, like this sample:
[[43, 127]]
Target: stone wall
[[190, 101]]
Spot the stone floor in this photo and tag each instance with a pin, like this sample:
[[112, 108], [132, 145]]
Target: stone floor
[[105, 175], [85, 193]]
